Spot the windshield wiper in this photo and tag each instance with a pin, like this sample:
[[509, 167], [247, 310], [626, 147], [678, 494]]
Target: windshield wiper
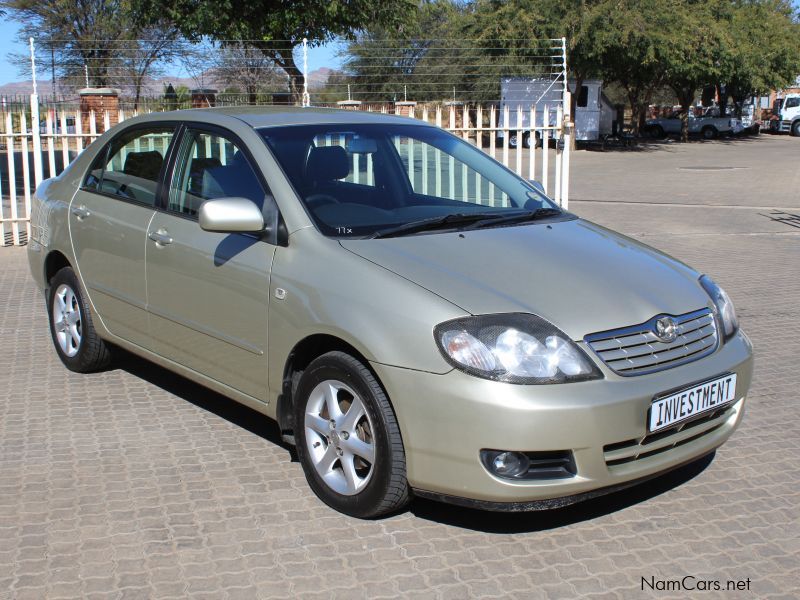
[[532, 215], [446, 221]]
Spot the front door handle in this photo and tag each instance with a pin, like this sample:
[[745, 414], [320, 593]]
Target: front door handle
[[81, 212], [160, 237]]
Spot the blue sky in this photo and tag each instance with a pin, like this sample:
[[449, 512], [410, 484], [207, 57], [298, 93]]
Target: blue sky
[[325, 56]]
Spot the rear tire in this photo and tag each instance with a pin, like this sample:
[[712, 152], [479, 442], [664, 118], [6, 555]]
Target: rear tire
[[71, 328], [656, 132], [709, 133], [348, 439]]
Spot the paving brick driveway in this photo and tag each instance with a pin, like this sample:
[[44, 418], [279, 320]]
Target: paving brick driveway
[[135, 483]]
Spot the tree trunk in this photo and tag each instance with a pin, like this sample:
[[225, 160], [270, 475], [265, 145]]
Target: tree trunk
[[685, 98]]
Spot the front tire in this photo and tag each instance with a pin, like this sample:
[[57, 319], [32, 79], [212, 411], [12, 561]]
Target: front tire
[[796, 129], [348, 440], [71, 328]]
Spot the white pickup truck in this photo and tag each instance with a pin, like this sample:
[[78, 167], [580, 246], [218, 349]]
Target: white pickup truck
[[709, 125], [787, 110]]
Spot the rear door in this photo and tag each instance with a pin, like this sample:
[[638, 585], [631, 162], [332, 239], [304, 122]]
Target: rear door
[[209, 292], [108, 220]]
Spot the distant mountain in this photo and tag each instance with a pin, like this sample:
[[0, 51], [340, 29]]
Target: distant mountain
[[153, 87]]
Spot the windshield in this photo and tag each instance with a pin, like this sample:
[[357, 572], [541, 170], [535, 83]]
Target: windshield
[[360, 180]]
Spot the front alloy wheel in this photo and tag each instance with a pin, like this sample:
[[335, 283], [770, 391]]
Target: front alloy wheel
[[348, 439], [339, 439]]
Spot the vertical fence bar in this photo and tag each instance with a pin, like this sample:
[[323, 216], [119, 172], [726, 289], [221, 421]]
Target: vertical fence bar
[[26, 172], [532, 149], [438, 156], [506, 112], [559, 150], [12, 177], [479, 145], [492, 143], [545, 147], [79, 132], [64, 140], [567, 151], [51, 155], [451, 171], [3, 209], [520, 140]]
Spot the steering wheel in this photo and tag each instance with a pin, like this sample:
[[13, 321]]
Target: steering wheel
[[320, 199]]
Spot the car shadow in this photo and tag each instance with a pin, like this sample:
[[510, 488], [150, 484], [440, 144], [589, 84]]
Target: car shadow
[[542, 520], [203, 398]]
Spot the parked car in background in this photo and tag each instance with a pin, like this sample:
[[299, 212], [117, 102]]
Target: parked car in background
[[709, 125], [418, 319]]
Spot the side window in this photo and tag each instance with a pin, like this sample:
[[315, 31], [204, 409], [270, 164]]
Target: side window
[[435, 173], [211, 166], [583, 97], [129, 167], [792, 103]]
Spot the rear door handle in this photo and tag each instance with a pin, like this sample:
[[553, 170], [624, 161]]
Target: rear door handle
[[81, 212], [160, 237]]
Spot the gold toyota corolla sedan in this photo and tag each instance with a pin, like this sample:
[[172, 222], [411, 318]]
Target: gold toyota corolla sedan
[[418, 319]]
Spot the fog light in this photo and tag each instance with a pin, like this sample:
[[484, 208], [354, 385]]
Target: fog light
[[505, 463]]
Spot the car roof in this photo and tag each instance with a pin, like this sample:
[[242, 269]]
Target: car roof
[[277, 116]]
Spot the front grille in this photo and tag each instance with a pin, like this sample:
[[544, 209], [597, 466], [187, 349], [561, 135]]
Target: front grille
[[662, 441], [636, 350]]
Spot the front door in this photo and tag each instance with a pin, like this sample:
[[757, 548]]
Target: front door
[[108, 222], [209, 292]]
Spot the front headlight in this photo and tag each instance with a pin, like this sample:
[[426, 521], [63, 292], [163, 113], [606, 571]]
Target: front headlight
[[515, 348], [726, 314]]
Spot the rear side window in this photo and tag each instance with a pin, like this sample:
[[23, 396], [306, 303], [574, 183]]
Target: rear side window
[[130, 165], [583, 97]]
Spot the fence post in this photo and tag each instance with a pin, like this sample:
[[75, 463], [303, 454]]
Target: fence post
[[35, 134]]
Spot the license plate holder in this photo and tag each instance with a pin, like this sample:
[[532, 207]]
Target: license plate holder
[[668, 410]]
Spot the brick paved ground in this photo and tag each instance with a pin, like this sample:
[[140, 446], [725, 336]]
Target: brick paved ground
[[135, 483]]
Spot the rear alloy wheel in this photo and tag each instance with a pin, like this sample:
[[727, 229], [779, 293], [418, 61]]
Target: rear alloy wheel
[[74, 337], [512, 140], [709, 133], [348, 440]]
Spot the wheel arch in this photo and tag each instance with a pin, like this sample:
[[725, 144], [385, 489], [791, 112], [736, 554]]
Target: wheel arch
[[302, 354], [53, 263]]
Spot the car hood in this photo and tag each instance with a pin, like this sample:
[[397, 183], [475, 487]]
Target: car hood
[[581, 277]]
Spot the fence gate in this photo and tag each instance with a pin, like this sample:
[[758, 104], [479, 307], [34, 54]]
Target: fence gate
[[39, 139]]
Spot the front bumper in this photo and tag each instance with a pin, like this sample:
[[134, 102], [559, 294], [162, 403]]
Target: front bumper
[[447, 419]]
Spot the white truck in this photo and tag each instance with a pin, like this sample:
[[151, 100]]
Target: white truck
[[709, 125], [787, 111], [594, 114]]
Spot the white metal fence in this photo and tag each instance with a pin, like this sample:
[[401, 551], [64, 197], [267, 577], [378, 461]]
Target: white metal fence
[[39, 142]]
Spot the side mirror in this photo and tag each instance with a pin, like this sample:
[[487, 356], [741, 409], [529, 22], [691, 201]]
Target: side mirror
[[229, 215], [539, 187]]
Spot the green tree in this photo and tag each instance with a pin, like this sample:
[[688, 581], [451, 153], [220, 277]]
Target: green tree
[[764, 52], [97, 35], [275, 27]]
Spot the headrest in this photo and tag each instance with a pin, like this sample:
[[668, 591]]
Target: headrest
[[326, 163], [146, 165]]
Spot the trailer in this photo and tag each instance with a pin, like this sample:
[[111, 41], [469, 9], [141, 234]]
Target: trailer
[[594, 116]]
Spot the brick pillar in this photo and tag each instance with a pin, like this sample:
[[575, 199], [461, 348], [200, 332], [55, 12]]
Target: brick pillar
[[203, 97], [404, 108], [349, 104], [99, 100]]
